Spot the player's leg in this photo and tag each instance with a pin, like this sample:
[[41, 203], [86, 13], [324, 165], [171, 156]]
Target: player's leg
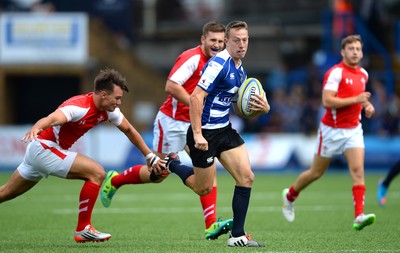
[[355, 161], [393, 172], [213, 227], [383, 184], [327, 137], [318, 168], [93, 173], [236, 162], [203, 179], [15, 186], [204, 185], [138, 174], [289, 195], [25, 176]]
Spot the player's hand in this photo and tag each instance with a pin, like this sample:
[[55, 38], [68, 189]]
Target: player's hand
[[200, 143], [369, 110], [155, 163], [259, 103], [31, 135], [363, 97]]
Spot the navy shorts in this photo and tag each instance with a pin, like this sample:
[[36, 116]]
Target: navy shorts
[[219, 140]]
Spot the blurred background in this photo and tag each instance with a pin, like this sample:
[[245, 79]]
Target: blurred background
[[51, 50]]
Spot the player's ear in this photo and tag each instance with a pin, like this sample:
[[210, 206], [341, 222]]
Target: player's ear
[[103, 94]]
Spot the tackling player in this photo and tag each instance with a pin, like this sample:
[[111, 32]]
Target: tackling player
[[52, 136]]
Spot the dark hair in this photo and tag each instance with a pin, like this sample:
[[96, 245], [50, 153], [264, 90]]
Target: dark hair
[[350, 39], [235, 25], [106, 80], [213, 26]]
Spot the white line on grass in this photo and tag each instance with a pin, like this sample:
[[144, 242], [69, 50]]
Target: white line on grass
[[193, 209]]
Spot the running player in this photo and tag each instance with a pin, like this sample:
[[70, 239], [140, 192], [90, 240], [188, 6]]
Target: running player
[[340, 130], [211, 134], [171, 124]]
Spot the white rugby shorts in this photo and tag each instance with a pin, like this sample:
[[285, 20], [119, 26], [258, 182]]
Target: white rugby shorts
[[332, 141], [169, 135], [43, 158]]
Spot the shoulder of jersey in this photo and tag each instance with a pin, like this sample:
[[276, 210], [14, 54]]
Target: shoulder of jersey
[[248, 88]]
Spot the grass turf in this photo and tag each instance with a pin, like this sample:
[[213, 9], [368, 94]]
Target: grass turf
[[167, 217]]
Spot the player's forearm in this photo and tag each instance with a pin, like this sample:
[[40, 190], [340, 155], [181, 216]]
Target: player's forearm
[[137, 140], [178, 92], [195, 112], [338, 102]]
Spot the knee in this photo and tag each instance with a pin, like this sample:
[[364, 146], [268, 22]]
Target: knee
[[246, 179], [203, 191], [250, 178], [98, 175], [357, 173], [102, 175]]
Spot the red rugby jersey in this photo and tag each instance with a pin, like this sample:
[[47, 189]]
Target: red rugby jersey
[[186, 72], [347, 82], [82, 115]]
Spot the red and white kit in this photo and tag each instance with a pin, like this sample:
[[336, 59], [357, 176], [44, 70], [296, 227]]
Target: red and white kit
[[340, 128], [172, 120], [49, 155]]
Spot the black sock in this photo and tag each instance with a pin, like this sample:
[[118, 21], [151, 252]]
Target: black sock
[[182, 170], [393, 172], [154, 177], [240, 204]]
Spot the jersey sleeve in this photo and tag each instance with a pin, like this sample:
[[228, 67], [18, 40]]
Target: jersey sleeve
[[115, 117], [184, 69], [333, 79], [73, 113], [210, 75]]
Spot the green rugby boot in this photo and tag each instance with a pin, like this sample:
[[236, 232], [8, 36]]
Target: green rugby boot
[[107, 190], [218, 228]]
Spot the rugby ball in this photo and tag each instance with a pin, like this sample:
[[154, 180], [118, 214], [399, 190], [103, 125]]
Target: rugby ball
[[248, 88]]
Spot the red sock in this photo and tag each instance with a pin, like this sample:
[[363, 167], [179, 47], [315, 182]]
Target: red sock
[[292, 194], [209, 204], [129, 176], [87, 199], [358, 198]]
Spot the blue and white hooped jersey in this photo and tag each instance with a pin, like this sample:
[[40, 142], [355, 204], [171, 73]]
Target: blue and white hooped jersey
[[221, 80]]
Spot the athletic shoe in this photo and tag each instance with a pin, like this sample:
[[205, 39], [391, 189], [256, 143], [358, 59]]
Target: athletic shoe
[[363, 220], [107, 189], [381, 193], [288, 206], [218, 228], [90, 234], [171, 157], [243, 241]]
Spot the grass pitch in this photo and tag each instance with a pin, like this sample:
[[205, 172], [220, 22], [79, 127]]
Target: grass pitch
[[167, 217]]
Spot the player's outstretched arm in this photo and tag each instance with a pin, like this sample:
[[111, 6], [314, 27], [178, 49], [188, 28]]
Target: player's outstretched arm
[[136, 139], [53, 119]]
